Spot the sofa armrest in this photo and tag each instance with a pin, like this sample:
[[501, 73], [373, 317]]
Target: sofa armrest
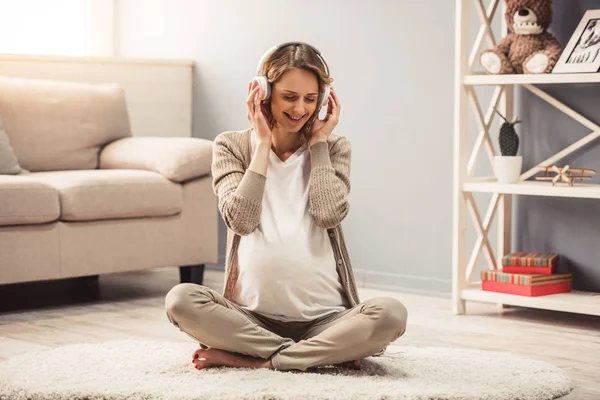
[[176, 158]]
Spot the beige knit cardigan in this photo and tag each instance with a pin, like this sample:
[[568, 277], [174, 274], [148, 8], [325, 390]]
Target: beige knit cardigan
[[240, 194]]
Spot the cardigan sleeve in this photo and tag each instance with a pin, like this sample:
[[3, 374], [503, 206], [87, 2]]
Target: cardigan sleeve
[[329, 183], [239, 191]]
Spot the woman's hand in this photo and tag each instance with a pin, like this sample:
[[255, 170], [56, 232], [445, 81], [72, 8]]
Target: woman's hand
[[255, 113], [321, 129]]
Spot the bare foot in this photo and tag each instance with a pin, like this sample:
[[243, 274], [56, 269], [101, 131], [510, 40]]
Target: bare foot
[[349, 364], [207, 358]]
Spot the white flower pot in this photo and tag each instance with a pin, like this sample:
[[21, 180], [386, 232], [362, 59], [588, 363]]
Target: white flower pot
[[508, 168]]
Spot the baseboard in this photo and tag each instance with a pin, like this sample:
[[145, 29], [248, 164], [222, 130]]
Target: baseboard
[[404, 283], [219, 266], [215, 267], [387, 281]]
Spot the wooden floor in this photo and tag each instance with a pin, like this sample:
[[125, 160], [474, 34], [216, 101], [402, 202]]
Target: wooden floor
[[43, 315]]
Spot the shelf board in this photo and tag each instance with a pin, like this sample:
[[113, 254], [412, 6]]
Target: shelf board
[[532, 79], [574, 302], [535, 188]]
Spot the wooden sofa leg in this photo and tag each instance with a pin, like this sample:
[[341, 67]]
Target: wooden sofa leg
[[192, 274]]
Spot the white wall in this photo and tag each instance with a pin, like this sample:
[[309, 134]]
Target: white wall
[[43, 27], [393, 67], [57, 28]]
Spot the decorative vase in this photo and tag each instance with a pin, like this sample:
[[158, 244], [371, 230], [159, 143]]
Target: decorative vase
[[508, 168]]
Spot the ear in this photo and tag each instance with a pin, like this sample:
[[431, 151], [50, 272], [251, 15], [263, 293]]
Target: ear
[[512, 3], [511, 8], [543, 10]]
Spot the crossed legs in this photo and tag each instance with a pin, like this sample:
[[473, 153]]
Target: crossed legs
[[237, 337]]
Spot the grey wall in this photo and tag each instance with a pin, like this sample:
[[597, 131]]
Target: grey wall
[[393, 64], [570, 227]]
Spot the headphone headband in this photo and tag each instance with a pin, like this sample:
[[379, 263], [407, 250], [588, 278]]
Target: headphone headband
[[264, 82], [273, 49]]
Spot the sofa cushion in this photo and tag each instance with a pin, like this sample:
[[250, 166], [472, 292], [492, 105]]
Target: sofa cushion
[[57, 125], [176, 158], [109, 194], [24, 200]]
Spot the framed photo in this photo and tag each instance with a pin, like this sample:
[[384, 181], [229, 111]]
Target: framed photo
[[582, 53]]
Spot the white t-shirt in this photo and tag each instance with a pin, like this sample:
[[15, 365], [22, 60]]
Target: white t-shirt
[[287, 268]]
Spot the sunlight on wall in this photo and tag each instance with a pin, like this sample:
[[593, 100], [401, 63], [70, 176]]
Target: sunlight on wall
[[48, 27]]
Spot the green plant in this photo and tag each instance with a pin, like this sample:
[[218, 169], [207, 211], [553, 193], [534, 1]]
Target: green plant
[[508, 138]]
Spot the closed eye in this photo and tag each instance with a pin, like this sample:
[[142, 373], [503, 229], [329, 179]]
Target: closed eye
[[294, 98]]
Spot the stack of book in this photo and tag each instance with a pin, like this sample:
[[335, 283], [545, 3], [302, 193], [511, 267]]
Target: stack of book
[[527, 274]]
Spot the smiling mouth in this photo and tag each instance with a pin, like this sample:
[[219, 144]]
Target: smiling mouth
[[293, 119], [527, 24], [529, 27]]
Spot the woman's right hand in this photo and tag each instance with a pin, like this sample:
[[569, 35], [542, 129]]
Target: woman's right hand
[[255, 113]]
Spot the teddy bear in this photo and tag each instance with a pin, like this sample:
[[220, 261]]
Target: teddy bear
[[528, 47]]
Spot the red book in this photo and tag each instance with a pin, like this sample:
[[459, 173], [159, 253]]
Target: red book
[[526, 290], [517, 269], [525, 284], [530, 259], [524, 279]]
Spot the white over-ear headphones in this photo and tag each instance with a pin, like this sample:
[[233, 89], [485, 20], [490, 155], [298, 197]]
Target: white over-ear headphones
[[265, 86]]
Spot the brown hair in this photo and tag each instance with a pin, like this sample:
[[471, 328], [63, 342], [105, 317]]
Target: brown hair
[[295, 55]]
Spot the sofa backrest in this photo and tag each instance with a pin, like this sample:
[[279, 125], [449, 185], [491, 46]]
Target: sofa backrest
[[60, 125]]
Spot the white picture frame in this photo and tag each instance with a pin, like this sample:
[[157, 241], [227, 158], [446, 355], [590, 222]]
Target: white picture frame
[[582, 53]]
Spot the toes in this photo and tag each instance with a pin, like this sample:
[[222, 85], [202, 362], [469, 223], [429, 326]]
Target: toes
[[202, 364], [197, 353], [198, 360]]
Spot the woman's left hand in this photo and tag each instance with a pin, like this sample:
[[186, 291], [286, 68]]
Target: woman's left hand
[[321, 129]]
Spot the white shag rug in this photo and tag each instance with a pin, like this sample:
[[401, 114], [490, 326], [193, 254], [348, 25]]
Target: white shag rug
[[148, 370]]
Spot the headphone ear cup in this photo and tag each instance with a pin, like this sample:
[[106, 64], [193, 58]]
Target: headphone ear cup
[[325, 98], [265, 86]]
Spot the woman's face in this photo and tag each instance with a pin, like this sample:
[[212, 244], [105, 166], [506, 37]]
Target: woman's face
[[294, 99]]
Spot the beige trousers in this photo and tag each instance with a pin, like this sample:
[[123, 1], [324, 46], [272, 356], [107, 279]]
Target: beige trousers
[[352, 334]]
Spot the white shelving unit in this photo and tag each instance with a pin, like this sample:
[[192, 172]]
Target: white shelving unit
[[465, 182]]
